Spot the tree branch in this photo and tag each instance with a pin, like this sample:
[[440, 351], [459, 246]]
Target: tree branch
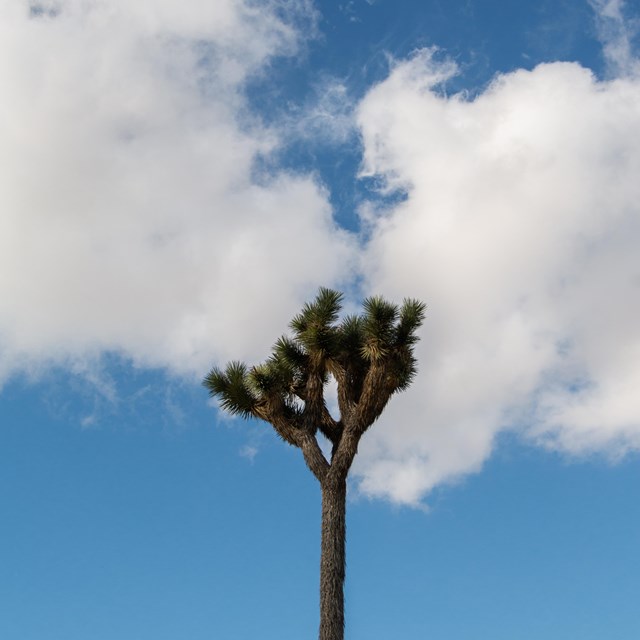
[[343, 454], [272, 411], [313, 455], [328, 426], [376, 391]]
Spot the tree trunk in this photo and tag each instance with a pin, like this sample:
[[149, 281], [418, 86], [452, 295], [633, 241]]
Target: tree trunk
[[332, 559]]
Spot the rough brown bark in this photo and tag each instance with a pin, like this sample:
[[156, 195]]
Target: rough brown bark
[[332, 560]]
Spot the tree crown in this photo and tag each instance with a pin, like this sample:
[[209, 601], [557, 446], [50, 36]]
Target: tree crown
[[370, 356]]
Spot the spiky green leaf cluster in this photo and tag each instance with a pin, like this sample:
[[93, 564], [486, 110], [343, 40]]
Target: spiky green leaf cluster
[[232, 387], [383, 336], [314, 327], [378, 327], [411, 316]]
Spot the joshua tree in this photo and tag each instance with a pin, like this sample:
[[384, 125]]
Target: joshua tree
[[371, 358]]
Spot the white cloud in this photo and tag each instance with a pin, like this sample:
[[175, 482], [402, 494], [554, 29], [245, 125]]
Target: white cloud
[[520, 230], [325, 119], [616, 35], [132, 219]]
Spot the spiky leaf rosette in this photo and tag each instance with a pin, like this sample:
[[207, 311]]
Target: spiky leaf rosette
[[370, 356], [378, 327], [412, 315], [314, 327], [232, 388]]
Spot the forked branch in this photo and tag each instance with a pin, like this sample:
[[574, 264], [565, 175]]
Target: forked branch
[[370, 356]]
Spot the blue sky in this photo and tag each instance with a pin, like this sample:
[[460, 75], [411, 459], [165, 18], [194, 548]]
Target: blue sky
[[177, 178]]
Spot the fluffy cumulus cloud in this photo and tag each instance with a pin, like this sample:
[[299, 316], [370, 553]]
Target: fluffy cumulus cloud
[[133, 217], [521, 230]]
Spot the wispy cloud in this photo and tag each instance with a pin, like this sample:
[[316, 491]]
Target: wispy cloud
[[616, 34], [249, 452], [326, 118]]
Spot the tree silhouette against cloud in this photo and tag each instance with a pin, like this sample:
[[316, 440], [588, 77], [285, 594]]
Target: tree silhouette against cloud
[[370, 356]]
